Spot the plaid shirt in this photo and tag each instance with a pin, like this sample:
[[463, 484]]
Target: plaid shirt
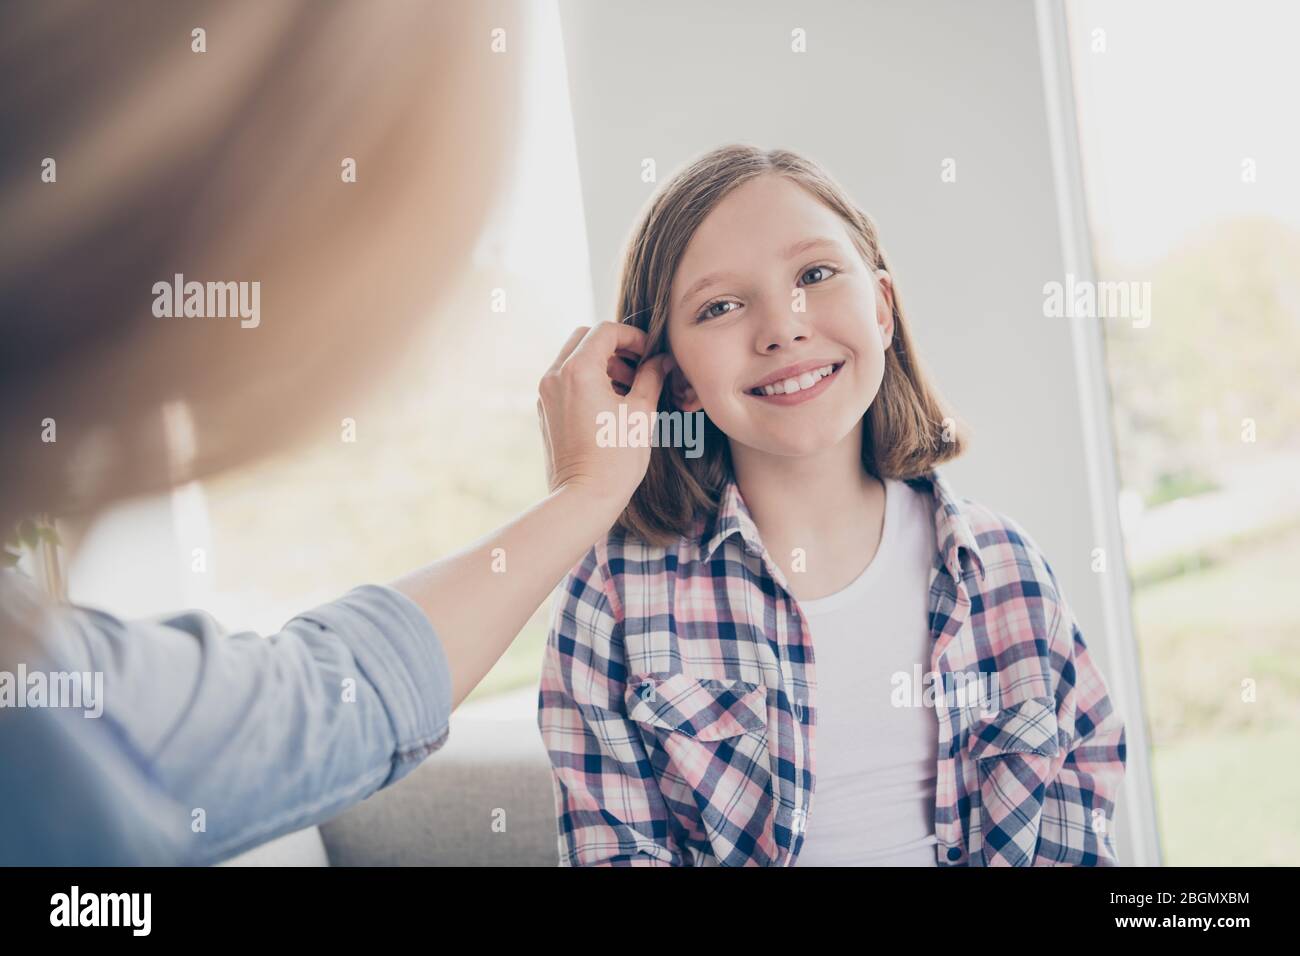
[[678, 702]]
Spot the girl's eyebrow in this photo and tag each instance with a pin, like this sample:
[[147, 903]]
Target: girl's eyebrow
[[804, 244], [801, 246], [702, 284]]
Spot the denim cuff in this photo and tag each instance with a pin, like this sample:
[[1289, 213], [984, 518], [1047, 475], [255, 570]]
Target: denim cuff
[[399, 652]]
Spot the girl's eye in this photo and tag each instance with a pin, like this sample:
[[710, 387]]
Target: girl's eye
[[826, 269], [708, 313]]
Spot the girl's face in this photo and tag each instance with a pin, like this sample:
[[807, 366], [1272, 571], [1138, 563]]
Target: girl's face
[[771, 296]]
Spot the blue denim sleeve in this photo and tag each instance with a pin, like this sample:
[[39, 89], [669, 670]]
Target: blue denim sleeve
[[254, 737]]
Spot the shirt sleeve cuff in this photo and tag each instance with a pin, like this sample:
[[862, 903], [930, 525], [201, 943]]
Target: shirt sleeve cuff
[[399, 652]]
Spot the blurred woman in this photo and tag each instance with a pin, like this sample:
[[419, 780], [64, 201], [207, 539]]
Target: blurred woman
[[343, 157]]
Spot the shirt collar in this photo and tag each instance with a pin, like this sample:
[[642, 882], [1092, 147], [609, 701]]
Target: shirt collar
[[732, 517], [953, 535]]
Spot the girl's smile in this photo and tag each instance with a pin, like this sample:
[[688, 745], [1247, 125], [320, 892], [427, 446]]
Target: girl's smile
[[797, 384]]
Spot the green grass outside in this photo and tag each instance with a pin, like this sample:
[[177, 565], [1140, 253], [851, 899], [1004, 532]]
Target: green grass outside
[[1226, 776]]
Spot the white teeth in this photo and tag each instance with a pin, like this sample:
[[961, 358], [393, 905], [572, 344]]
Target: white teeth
[[806, 380]]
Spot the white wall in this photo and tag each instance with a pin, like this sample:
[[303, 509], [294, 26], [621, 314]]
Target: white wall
[[884, 94]]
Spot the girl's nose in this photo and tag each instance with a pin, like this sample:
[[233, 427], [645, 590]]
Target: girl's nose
[[784, 327], [784, 342]]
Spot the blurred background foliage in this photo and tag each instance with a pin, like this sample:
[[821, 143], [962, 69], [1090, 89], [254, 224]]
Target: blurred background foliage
[[1219, 532], [1224, 343]]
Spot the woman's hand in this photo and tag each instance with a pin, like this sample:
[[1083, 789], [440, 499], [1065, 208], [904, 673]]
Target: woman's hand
[[595, 372]]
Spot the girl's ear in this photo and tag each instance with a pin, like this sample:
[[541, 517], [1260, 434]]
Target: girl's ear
[[683, 395], [885, 309]]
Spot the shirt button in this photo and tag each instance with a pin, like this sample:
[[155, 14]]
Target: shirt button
[[954, 853]]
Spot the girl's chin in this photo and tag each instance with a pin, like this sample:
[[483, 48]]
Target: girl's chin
[[795, 444]]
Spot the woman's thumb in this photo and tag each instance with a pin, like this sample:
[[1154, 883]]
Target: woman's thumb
[[650, 379]]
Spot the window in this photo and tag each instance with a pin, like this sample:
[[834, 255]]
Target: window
[[1190, 192]]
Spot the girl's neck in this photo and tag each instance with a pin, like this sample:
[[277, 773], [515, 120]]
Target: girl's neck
[[825, 504]]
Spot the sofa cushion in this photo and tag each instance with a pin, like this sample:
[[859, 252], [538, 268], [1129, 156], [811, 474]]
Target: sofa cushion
[[484, 799]]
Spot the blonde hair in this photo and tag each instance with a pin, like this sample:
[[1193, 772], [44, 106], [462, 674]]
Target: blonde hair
[[227, 165], [904, 434]]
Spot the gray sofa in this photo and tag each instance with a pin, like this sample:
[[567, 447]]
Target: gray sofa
[[484, 799]]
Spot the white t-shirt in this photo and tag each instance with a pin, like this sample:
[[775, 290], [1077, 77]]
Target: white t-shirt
[[873, 797]]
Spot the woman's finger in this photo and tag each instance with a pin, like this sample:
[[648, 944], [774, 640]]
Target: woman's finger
[[622, 370], [606, 338]]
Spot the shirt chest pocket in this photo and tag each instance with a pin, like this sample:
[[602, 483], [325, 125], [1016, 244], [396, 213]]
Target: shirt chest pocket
[[1016, 754], [707, 741]]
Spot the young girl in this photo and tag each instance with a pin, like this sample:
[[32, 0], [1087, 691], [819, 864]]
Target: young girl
[[802, 645]]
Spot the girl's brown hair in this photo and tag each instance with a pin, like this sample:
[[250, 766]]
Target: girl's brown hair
[[909, 429]]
